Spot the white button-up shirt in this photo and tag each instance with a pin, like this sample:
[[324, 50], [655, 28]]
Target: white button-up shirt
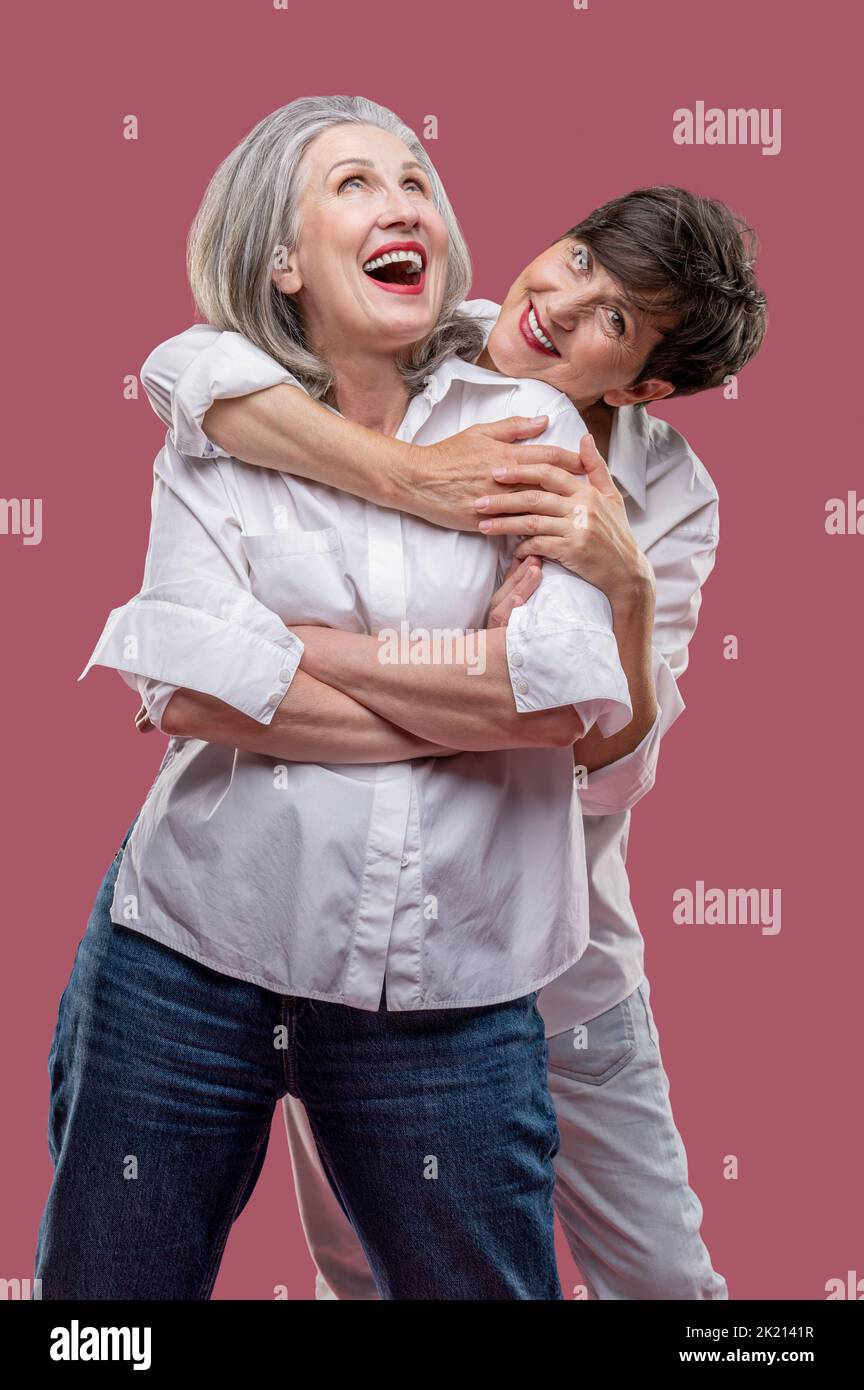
[[672, 506], [459, 880]]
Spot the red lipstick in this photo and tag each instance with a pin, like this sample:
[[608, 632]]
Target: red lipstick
[[528, 333], [392, 286]]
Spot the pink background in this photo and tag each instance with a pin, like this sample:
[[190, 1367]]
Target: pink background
[[543, 113]]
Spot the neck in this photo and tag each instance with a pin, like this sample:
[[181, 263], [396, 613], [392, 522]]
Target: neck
[[369, 390]]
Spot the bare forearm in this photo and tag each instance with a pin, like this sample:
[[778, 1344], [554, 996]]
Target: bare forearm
[[313, 724], [448, 702], [284, 428], [633, 624]]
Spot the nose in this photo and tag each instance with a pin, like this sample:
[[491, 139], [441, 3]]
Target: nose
[[399, 209], [564, 307]]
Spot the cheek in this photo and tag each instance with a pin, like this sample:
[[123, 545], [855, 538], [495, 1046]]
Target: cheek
[[438, 241], [506, 349], [597, 359]]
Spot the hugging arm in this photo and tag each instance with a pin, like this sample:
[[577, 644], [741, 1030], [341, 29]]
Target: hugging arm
[[223, 397]]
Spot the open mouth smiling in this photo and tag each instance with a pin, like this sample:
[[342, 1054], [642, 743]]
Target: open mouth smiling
[[399, 266], [533, 330]]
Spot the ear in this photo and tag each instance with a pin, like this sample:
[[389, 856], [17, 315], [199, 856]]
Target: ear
[[651, 390], [288, 278]]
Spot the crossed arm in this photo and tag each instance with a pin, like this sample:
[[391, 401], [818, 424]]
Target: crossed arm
[[346, 705], [416, 710]]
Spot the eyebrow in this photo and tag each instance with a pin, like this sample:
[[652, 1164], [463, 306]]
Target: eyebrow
[[370, 164]]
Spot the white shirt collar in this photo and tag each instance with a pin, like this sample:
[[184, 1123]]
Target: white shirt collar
[[438, 383], [629, 446]]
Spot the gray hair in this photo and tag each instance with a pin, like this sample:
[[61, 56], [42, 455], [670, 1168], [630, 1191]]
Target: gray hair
[[250, 209]]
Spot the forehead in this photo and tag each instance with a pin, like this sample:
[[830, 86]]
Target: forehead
[[349, 142]]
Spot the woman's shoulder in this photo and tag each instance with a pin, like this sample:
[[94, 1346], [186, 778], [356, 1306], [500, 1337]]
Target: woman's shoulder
[[485, 309], [532, 397]]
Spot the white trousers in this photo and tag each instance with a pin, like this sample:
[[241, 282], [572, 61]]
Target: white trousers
[[622, 1193]]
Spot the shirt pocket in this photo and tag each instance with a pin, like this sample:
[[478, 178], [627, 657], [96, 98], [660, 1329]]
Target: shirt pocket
[[302, 575]]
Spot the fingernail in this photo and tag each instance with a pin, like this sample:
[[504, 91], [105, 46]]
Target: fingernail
[[485, 525], [500, 471], [481, 502], [538, 419]]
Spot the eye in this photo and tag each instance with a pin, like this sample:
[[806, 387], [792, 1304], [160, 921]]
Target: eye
[[353, 178], [580, 258], [616, 321], [420, 186]]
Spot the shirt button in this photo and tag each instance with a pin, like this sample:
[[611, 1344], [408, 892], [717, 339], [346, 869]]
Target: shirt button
[[275, 699], [406, 860], [517, 659], [285, 674], [522, 687]]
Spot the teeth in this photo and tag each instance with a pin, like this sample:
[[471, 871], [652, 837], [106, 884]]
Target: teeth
[[538, 332], [411, 257]]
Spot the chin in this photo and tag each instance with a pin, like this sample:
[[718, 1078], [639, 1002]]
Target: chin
[[402, 330], [510, 357]]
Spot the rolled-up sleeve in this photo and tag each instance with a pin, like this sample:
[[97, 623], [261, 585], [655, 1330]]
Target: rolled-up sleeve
[[195, 623], [561, 650], [186, 374]]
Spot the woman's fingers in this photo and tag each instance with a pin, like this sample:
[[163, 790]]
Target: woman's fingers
[[595, 466], [513, 427], [517, 571], [535, 500], [142, 723], [539, 546], [527, 579], [517, 588], [527, 524], [539, 475], [516, 567], [549, 456]]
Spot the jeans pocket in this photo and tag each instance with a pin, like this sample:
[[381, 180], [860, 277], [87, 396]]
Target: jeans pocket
[[596, 1051]]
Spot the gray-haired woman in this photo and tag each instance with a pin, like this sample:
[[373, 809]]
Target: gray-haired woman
[[315, 898]]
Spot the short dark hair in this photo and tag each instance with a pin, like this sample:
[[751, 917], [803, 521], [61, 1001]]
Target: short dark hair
[[674, 252]]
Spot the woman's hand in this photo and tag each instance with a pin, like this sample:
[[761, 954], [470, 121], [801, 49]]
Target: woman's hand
[[443, 479], [581, 524], [520, 583], [142, 723]]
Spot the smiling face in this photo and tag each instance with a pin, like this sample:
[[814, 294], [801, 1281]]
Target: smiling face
[[370, 266], [567, 322]]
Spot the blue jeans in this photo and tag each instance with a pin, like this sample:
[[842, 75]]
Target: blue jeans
[[435, 1128]]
